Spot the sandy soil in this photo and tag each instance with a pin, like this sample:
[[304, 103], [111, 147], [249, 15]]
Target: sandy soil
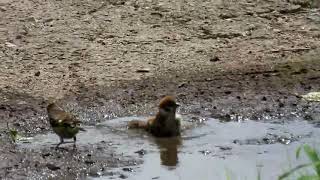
[[219, 58]]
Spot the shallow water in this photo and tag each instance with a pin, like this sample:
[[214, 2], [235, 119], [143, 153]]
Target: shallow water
[[206, 150]]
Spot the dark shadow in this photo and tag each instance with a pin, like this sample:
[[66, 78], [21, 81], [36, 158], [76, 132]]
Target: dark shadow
[[169, 150]]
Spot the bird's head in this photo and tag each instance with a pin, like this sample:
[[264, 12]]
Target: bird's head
[[51, 103], [54, 109], [51, 106], [168, 106]]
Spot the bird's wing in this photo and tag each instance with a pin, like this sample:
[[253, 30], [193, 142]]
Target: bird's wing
[[63, 118], [137, 124], [70, 120], [151, 121]]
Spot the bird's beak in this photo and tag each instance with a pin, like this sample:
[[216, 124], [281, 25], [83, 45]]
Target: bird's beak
[[177, 104]]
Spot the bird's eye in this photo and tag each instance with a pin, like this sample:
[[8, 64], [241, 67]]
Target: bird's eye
[[167, 109]]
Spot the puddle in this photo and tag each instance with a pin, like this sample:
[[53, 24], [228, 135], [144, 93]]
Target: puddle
[[206, 150]]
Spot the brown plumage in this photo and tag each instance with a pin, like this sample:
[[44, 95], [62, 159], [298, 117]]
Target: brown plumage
[[164, 124], [137, 124], [167, 101], [64, 124]]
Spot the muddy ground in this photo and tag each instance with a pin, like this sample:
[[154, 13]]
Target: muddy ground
[[223, 59]]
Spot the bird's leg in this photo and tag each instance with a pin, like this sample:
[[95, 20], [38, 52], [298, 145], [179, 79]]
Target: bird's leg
[[61, 142], [74, 141]]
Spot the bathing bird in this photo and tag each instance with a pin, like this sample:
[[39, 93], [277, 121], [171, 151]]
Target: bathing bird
[[165, 123], [64, 124]]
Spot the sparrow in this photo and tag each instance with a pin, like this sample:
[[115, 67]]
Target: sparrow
[[64, 124], [165, 123]]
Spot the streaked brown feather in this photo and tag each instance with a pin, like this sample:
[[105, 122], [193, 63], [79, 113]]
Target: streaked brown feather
[[137, 124], [58, 115]]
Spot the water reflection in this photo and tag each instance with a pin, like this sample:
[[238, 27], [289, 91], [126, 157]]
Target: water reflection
[[169, 150]]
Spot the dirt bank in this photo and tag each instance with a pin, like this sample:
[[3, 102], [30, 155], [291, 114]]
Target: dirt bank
[[220, 59]]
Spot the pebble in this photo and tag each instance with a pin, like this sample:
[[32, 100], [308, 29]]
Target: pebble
[[10, 45], [143, 70], [95, 171], [122, 176], [3, 9], [182, 85], [225, 148], [37, 73], [227, 15], [141, 152], [89, 162], [290, 9], [127, 169], [52, 167], [214, 59], [205, 152]]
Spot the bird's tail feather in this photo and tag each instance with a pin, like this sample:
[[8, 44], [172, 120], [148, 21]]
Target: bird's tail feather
[[137, 124]]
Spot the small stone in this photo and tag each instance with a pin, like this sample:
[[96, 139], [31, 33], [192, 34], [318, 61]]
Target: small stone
[[37, 73], [236, 141], [31, 19], [308, 117], [281, 104], [267, 110], [312, 96], [122, 176], [277, 30], [3, 9], [89, 162], [290, 9], [10, 45], [141, 152], [110, 173], [215, 59], [266, 140], [95, 171], [285, 141], [52, 167], [19, 36], [227, 92], [48, 20], [101, 41], [205, 152], [143, 70], [155, 26], [251, 27], [227, 15], [127, 169], [263, 10], [182, 85], [46, 155], [225, 148]]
